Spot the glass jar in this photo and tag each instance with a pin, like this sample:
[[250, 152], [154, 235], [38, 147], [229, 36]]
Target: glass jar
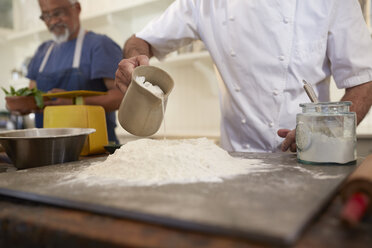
[[326, 133]]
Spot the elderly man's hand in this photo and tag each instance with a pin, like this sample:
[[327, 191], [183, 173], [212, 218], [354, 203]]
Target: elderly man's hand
[[123, 74], [290, 139]]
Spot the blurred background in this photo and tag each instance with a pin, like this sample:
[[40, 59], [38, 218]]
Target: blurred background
[[193, 108]]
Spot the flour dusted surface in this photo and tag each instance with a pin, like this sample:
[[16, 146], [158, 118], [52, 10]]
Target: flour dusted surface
[[156, 162]]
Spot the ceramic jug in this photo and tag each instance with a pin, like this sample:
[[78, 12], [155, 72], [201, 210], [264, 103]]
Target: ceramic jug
[[141, 112]]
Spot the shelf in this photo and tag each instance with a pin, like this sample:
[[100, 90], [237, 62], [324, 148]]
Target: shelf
[[4, 32], [127, 6], [23, 34], [14, 35]]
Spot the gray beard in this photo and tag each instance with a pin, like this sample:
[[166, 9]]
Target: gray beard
[[61, 38]]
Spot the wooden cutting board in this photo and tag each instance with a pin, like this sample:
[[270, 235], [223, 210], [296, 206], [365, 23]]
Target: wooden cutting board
[[270, 207]]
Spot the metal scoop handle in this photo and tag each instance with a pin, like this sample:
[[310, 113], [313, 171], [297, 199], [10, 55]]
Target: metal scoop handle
[[310, 92]]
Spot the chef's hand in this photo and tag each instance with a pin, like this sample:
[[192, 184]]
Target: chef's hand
[[58, 101], [123, 74], [290, 139]]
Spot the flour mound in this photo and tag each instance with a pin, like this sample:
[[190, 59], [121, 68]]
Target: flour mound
[[147, 162]]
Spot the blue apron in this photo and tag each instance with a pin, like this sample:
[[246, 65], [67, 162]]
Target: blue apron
[[72, 79]]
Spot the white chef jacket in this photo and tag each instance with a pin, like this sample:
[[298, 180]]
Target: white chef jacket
[[263, 49]]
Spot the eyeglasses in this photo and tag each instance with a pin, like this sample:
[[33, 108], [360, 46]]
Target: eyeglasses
[[56, 13]]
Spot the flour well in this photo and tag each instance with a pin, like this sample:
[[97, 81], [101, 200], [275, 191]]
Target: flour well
[[156, 162]]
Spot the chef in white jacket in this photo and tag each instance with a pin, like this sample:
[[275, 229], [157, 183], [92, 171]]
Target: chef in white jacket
[[263, 50]]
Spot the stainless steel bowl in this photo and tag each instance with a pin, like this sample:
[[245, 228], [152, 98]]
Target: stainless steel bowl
[[44, 146]]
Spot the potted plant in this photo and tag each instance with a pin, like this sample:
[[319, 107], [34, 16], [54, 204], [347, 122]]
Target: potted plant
[[24, 100]]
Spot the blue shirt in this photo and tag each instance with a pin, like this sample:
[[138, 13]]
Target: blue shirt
[[99, 59]]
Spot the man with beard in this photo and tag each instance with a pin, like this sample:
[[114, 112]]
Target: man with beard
[[75, 60]]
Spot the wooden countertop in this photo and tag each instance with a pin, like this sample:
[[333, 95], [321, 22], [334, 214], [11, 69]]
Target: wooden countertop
[[26, 224], [29, 224]]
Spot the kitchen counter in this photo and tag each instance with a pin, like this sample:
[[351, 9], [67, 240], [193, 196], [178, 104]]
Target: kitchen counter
[[28, 224]]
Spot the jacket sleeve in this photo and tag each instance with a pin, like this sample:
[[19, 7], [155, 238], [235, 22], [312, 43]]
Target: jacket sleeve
[[349, 46], [175, 28]]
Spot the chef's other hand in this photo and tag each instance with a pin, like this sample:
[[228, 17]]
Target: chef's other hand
[[290, 139], [123, 74]]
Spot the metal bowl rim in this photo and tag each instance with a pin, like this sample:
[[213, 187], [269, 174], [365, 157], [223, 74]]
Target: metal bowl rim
[[85, 131]]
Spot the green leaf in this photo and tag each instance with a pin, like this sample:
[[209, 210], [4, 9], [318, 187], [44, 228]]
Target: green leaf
[[27, 92], [21, 92], [39, 99], [12, 91], [5, 91]]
